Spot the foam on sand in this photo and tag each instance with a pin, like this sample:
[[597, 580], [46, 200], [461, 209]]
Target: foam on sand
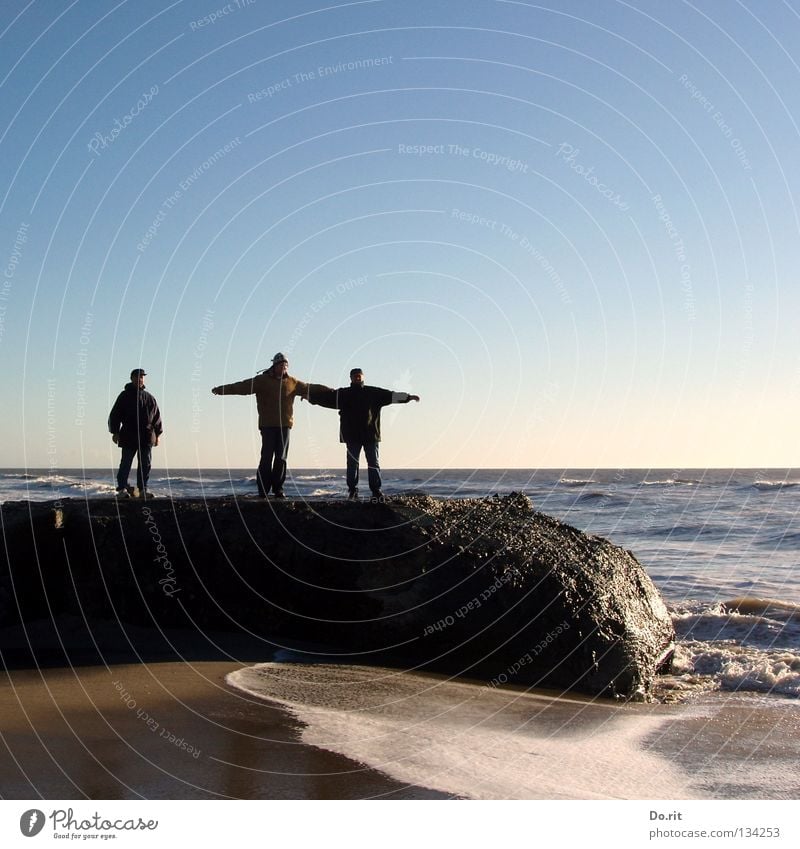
[[472, 740]]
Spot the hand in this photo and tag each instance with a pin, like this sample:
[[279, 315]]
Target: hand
[[156, 442], [115, 438], [413, 397], [215, 390]]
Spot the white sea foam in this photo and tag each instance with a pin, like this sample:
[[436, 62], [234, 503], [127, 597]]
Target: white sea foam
[[759, 623], [742, 645], [730, 666], [319, 492], [469, 739], [774, 484]]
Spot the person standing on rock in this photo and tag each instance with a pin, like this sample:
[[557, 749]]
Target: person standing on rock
[[359, 409], [135, 425], [275, 391]]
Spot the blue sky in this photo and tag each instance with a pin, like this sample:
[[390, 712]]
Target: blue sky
[[569, 227]]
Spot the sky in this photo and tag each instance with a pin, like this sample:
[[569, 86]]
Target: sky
[[569, 227]]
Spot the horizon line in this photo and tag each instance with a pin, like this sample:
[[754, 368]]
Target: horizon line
[[669, 467]]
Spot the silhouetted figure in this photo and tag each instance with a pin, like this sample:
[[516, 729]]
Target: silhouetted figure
[[275, 391], [135, 425], [359, 409]]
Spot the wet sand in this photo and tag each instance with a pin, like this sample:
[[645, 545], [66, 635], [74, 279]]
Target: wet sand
[[164, 731], [176, 730]]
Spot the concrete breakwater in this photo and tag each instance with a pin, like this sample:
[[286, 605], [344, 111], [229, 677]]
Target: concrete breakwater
[[484, 588]]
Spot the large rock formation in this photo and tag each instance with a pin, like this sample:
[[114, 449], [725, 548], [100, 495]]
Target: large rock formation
[[483, 588]]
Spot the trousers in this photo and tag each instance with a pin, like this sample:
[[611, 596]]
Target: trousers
[[143, 470], [274, 453], [373, 466]]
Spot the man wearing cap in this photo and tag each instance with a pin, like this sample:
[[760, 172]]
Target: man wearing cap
[[359, 409], [275, 391], [135, 425]]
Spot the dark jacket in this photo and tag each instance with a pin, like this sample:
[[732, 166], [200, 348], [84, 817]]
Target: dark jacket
[[359, 410], [135, 417]]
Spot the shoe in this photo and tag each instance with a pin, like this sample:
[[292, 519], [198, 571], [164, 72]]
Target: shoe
[[280, 494], [123, 493], [377, 495], [352, 495]]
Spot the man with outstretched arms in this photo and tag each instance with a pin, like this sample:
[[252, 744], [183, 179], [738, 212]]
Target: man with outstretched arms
[[359, 409], [275, 390]]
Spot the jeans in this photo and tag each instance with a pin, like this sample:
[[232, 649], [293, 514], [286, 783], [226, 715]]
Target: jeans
[[272, 467], [142, 472], [373, 467]]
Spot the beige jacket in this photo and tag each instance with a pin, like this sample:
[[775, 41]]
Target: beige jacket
[[274, 396]]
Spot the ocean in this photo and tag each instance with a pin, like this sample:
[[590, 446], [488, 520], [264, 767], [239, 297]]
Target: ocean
[[722, 546]]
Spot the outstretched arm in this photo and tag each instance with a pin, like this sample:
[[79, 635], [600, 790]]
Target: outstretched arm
[[241, 387], [323, 396], [403, 397], [312, 392]]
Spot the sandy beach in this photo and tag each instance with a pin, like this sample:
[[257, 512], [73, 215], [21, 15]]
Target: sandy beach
[[176, 730], [164, 731]]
